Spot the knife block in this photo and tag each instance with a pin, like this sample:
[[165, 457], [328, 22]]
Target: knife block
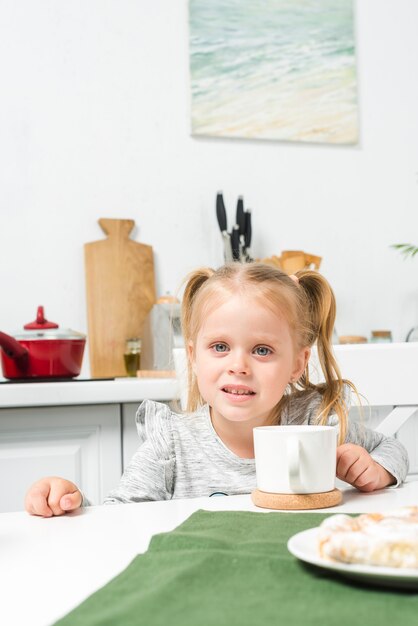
[[292, 261]]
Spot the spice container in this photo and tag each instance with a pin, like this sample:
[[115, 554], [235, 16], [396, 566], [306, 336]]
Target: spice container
[[381, 336], [132, 356], [352, 339]]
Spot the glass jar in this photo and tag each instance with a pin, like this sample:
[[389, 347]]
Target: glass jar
[[344, 339], [132, 356], [381, 336]]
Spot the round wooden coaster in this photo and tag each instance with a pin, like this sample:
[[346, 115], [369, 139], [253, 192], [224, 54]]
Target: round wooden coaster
[[294, 501]]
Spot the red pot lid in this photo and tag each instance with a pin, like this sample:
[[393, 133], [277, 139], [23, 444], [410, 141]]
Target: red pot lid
[[40, 323]]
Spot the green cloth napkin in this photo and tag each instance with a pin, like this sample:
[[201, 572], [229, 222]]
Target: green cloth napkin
[[233, 569]]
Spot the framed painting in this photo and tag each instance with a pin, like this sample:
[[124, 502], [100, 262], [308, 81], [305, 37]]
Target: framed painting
[[274, 69]]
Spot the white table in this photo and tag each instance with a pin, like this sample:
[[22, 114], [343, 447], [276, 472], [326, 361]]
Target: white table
[[48, 566]]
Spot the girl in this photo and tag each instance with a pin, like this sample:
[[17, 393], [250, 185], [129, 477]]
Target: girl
[[249, 330]]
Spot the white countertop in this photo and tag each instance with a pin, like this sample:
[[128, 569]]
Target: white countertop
[[49, 566], [119, 390]]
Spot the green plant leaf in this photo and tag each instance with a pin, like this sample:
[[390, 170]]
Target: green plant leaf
[[406, 249]]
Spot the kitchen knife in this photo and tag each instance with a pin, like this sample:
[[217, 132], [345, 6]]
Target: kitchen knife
[[248, 232], [247, 235], [221, 212], [235, 243], [221, 216], [240, 219]]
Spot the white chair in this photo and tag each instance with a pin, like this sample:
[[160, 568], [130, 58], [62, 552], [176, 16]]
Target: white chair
[[384, 375]]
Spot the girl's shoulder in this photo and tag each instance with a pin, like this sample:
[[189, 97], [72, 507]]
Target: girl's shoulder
[[300, 405], [157, 419], [159, 426], [303, 406], [160, 414], [154, 422], [151, 410]]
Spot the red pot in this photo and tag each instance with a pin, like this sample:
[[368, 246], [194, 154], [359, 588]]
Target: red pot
[[42, 350]]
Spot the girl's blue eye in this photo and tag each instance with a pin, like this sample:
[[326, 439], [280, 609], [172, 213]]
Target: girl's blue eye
[[262, 351], [219, 347]]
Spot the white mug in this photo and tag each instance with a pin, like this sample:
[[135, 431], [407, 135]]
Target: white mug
[[295, 459]]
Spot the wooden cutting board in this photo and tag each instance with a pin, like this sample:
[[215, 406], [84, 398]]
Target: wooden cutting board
[[120, 292]]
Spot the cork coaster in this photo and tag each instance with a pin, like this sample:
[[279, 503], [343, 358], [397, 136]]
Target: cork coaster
[[294, 501]]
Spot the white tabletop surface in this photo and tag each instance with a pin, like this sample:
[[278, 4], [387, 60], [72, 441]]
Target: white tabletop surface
[[48, 566]]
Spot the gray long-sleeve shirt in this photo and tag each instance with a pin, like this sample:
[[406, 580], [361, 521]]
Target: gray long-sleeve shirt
[[181, 456]]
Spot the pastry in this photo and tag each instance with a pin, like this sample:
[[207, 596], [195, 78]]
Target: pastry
[[387, 539]]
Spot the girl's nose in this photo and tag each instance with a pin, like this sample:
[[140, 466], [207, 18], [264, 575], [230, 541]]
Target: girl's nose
[[238, 364]]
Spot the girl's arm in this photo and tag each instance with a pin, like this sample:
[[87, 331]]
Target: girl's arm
[[147, 477], [150, 474]]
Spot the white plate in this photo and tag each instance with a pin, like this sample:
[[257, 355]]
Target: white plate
[[304, 547]]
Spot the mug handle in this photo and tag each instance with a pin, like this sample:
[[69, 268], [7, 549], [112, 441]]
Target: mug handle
[[293, 463]]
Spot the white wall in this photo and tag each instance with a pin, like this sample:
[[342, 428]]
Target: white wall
[[95, 122]]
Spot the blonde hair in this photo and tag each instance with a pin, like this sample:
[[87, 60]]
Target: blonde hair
[[308, 305]]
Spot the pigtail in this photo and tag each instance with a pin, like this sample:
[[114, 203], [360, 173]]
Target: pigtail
[[194, 283], [322, 313]]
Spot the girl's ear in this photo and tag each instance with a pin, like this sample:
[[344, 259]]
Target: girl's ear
[[191, 353], [300, 364]]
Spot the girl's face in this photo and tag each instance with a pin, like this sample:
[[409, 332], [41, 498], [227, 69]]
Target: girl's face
[[243, 359]]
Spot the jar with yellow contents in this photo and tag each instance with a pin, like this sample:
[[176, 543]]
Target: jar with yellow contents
[[132, 355]]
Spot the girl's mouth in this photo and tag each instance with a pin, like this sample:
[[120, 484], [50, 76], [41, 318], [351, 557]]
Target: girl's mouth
[[238, 391]]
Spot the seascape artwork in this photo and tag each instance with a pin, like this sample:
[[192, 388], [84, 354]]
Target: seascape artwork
[[274, 69]]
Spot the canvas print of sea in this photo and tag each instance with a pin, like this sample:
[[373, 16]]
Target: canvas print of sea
[[274, 69]]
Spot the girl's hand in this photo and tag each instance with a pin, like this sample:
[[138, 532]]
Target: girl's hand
[[356, 467], [52, 496]]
